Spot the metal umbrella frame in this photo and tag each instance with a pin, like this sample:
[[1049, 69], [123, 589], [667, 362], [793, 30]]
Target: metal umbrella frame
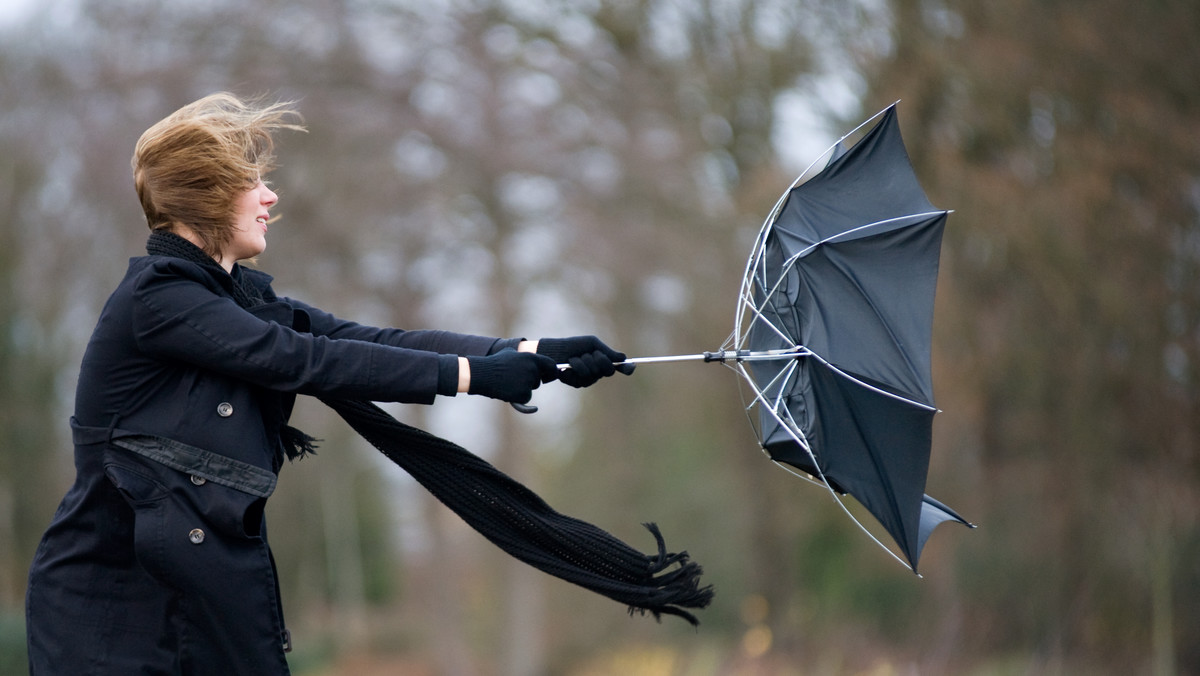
[[771, 374]]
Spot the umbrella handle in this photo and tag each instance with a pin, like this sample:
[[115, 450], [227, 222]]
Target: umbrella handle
[[524, 408]]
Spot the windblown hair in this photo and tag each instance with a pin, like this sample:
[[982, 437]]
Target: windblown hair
[[190, 168]]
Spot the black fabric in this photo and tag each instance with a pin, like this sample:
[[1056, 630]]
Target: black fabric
[[294, 442], [588, 357], [504, 511], [518, 521], [167, 243], [848, 269], [447, 375], [509, 375]]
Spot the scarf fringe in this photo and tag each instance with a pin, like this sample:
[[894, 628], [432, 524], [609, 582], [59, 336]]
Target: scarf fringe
[[680, 587], [296, 443], [518, 521]]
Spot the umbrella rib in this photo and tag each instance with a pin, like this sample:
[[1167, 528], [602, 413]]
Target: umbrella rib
[[758, 313], [887, 485], [760, 242], [749, 302], [783, 335], [771, 325], [755, 264], [809, 249], [746, 304], [793, 430], [792, 261], [761, 397], [834, 145], [746, 408], [785, 374], [752, 265], [907, 357], [869, 386], [836, 498]]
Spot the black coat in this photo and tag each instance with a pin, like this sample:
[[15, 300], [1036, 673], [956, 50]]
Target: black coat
[[156, 561]]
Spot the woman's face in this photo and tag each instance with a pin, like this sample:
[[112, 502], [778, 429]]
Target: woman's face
[[251, 212]]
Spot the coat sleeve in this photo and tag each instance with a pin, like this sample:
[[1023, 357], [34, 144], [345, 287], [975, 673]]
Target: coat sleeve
[[178, 316], [442, 342]]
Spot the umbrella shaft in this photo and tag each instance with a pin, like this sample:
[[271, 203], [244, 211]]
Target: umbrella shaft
[[723, 356]]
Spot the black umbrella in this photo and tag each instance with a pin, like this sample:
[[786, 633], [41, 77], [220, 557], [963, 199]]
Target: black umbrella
[[843, 276], [834, 329]]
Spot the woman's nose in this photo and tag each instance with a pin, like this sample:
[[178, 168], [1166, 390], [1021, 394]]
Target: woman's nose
[[268, 197]]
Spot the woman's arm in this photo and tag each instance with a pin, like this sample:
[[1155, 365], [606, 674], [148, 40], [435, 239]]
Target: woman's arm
[[177, 316], [442, 342]]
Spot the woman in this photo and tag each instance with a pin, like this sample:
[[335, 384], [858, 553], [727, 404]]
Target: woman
[[157, 561]]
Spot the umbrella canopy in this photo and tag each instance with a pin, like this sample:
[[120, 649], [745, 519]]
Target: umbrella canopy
[[833, 333], [842, 279]]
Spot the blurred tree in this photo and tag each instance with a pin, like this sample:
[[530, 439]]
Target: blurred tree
[[29, 362], [548, 167], [1067, 139], [498, 168]]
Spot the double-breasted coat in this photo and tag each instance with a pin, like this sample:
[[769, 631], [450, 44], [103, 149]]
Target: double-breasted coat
[[157, 561]]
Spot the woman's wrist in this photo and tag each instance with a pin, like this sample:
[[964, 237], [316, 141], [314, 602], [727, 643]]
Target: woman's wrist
[[464, 375]]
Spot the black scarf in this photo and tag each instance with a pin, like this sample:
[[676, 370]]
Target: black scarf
[[503, 510]]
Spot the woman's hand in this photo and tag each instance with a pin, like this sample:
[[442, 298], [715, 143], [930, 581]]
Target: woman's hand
[[508, 375], [588, 357]]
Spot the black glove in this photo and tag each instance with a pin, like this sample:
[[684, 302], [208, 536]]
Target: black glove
[[509, 375], [589, 359]]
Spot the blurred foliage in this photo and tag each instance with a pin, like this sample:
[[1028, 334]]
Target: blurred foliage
[[12, 643], [1069, 313], [547, 167]]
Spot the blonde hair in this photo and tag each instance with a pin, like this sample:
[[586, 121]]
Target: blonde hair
[[190, 168]]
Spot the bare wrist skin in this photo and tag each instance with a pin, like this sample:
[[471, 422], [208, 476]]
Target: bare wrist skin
[[464, 375], [527, 346]]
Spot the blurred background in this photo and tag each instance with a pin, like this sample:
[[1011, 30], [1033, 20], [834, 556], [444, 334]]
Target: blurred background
[[551, 167]]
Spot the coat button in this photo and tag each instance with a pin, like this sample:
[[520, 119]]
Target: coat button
[[198, 480], [196, 536], [224, 409]]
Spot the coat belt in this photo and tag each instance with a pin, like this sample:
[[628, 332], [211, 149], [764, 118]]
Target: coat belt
[[177, 455]]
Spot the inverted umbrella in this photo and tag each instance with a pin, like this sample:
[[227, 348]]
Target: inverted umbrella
[[833, 333], [843, 273]]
